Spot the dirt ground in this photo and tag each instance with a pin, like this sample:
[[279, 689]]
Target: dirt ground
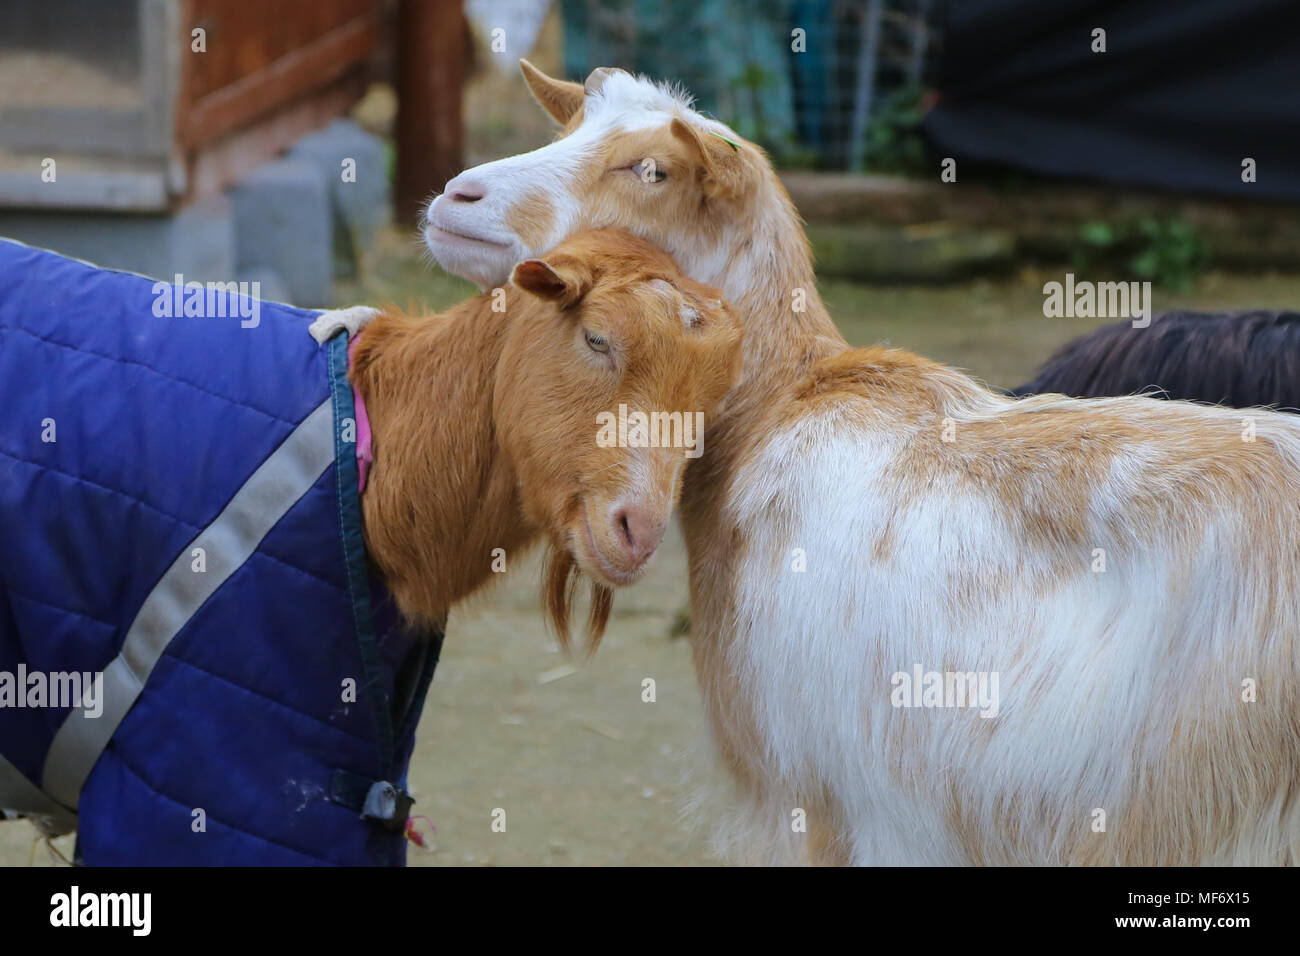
[[586, 772]]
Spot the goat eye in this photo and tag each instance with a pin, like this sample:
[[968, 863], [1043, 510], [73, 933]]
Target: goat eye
[[649, 172], [597, 343]]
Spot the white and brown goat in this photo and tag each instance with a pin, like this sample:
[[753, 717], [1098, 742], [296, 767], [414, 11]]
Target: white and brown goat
[[1129, 569]]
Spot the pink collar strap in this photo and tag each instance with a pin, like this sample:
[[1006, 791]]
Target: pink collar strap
[[365, 456]]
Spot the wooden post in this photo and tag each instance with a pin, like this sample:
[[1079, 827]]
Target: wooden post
[[431, 53]]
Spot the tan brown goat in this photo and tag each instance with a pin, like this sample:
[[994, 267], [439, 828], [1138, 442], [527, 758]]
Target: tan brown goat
[[514, 416]]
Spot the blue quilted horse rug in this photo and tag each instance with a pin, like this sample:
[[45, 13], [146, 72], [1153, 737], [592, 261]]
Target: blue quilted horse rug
[[196, 665]]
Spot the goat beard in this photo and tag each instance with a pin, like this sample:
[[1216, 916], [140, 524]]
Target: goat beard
[[560, 578]]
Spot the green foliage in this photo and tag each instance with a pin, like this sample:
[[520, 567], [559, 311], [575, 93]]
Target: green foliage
[[750, 89], [895, 143], [749, 86], [1173, 253], [1168, 252]]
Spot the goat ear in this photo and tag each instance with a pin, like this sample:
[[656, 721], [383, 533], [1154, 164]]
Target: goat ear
[[560, 98], [596, 79], [559, 279], [724, 166]]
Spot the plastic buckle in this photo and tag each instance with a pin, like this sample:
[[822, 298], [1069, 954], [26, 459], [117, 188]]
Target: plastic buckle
[[389, 805]]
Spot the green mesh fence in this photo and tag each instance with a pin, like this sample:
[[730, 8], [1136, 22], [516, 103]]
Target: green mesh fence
[[804, 78]]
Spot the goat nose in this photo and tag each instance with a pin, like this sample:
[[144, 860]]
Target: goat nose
[[464, 190], [638, 532]]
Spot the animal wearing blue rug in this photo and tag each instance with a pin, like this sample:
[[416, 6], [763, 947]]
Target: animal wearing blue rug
[[179, 513]]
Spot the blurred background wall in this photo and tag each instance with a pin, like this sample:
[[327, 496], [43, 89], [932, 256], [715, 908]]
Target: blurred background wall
[[207, 137], [204, 137]]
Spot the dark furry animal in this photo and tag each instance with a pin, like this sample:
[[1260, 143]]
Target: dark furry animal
[[1239, 359]]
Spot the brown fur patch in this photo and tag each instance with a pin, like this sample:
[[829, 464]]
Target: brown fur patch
[[485, 422], [532, 219]]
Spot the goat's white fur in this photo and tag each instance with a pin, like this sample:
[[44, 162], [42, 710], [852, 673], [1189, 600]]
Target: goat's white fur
[[1095, 673]]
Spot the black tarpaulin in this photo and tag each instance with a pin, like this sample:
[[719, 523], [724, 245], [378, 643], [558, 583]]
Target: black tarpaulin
[[1186, 90]]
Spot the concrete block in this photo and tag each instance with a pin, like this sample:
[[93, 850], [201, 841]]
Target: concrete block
[[283, 224], [355, 165], [198, 241], [270, 287]]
